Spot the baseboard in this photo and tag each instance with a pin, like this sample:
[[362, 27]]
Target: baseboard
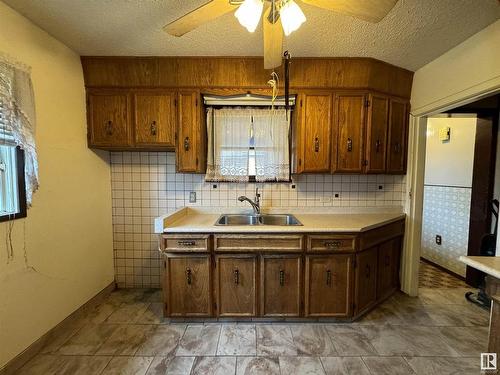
[[18, 361], [442, 268]]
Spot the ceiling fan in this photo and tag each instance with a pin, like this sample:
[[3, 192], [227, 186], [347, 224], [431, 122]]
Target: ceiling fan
[[278, 17]]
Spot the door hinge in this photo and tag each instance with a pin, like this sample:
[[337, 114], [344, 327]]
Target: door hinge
[[301, 102], [354, 306], [365, 162], [196, 102], [175, 136], [197, 161], [175, 102], [215, 305], [165, 264], [354, 263], [367, 103]]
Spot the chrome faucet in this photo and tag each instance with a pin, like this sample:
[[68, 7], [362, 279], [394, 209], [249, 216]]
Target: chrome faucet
[[255, 203]]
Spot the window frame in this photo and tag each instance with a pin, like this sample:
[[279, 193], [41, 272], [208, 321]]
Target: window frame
[[21, 189]]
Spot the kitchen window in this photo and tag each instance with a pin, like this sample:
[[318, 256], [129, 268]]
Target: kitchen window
[[248, 144], [12, 184]]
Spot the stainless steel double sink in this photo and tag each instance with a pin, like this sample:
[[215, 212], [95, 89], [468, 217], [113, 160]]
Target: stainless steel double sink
[[252, 219]]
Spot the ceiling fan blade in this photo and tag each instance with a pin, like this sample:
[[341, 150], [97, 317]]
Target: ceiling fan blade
[[273, 42], [205, 13], [368, 10]]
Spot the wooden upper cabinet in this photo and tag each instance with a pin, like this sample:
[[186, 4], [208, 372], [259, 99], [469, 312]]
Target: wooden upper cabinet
[[315, 132], [236, 291], [108, 116], [280, 290], [188, 285], [328, 285], [398, 136], [191, 133], [154, 118], [376, 133], [365, 295], [349, 132]]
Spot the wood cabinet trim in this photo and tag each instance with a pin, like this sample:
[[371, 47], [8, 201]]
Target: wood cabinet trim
[[339, 243], [185, 243], [378, 235], [258, 243]]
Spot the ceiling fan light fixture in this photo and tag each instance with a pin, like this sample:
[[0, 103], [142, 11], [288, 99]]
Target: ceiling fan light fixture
[[291, 17], [249, 13]]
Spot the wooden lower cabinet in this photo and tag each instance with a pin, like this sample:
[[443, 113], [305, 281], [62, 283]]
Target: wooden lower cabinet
[[280, 285], [236, 285], [188, 285], [388, 267], [328, 285], [365, 294]]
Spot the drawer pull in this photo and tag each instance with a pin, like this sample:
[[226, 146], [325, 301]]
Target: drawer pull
[[367, 271], [397, 148], [153, 128], [187, 144], [236, 276], [333, 243], [316, 144], [186, 243], [282, 277], [109, 128], [328, 277], [377, 145], [189, 276]]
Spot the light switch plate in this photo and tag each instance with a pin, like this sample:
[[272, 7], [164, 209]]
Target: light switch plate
[[444, 134]]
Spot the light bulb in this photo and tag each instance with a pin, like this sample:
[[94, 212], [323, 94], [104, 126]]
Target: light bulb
[[291, 17], [248, 14]]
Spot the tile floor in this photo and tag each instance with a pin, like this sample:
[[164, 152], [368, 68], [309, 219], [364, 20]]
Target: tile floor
[[433, 277], [436, 333]]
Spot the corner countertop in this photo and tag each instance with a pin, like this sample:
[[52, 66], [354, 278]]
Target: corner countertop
[[191, 220], [489, 265]]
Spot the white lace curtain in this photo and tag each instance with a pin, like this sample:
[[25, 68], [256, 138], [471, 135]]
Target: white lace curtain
[[17, 107], [232, 132]]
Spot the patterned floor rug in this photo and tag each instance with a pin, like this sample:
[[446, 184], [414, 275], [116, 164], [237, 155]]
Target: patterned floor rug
[[433, 277]]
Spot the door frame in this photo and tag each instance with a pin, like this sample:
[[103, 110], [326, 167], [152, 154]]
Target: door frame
[[413, 204]]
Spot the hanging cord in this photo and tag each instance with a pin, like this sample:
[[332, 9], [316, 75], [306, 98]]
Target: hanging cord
[[274, 82]]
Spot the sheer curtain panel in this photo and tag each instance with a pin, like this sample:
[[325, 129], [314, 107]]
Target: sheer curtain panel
[[272, 159], [17, 117]]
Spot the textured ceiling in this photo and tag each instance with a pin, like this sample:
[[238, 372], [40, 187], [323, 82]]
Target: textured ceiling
[[414, 33]]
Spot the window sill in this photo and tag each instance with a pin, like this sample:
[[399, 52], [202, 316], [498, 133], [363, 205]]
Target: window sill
[[19, 215]]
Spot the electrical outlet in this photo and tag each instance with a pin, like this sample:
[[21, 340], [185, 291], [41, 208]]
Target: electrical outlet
[[192, 197], [336, 195], [439, 240], [381, 187]]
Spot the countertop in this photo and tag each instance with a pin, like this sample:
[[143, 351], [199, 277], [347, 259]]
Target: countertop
[[189, 220], [489, 265]]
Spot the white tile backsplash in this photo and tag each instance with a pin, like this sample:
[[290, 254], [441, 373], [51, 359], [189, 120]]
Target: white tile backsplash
[[145, 185], [446, 213]]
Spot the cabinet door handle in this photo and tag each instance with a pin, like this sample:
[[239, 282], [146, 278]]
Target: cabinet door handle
[[187, 144], [189, 276], [349, 144], [316, 144], [328, 277], [397, 148], [186, 243], [236, 276], [387, 260], [153, 128], [282, 277], [377, 145], [109, 128], [367, 271]]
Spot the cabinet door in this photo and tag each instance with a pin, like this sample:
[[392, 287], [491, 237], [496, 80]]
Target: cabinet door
[[349, 133], [108, 119], [398, 137], [154, 118], [315, 133], [236, 285], [188, 285], [190, 150], [328, 285], [280, 285], [365, 295], [376, 133], [388, 267]]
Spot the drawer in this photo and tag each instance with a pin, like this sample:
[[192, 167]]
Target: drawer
[[378, 235], [185, 243], [258, 243], [331, 243]]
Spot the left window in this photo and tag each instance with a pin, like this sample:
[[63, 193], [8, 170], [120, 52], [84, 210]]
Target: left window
[[12, 184]]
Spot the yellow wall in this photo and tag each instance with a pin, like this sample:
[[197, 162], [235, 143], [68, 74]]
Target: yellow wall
[[466, 70], [67, 233]]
